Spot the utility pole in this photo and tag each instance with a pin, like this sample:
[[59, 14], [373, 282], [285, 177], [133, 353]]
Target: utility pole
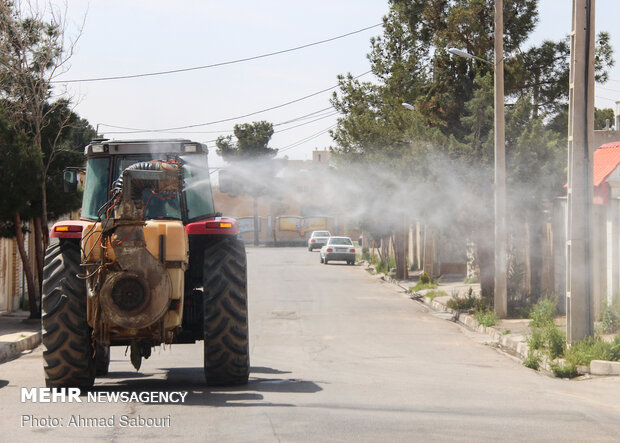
[[580, 186], [500, 296]]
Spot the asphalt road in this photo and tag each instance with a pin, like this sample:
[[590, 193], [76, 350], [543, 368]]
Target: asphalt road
[[336, 356]]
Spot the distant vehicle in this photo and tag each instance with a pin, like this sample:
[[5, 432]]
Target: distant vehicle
[[318, 239], [338, 248]]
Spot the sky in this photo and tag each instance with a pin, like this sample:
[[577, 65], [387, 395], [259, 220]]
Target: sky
[[139, 36]]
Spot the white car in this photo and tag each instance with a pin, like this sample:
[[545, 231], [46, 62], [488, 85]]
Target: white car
[[318, 239], [338, 248]]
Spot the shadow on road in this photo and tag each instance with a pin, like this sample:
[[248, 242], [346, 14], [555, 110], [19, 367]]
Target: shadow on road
[[192, 380]]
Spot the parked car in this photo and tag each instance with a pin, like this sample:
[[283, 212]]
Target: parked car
[[318, 239], [338, 248]]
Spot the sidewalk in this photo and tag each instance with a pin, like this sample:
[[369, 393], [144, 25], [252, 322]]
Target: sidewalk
[[509, 335], [17, 334]]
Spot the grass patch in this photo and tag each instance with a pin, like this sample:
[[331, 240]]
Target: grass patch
[[470, 280], [432, 294], [486, 318]]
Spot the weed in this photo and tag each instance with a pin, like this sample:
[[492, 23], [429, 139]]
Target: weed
[[468, 302], [366, 254], [535, 340], [566, 370], [506, 332], [610, 318], [382, 267], [470, 280], [486, 318], [533, 360], [555, 341], [581, 353], [425, 278], [543, 313]]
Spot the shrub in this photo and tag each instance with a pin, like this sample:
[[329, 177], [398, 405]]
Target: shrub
[[381, 267], [610, 317], [593, 348], [555, 341], [535, 340], [543, 313], [366, 254], [425, 278]]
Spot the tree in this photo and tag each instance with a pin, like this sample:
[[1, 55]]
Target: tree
[[453, 98], [34, 51], [252, 157], [20, 172], [601, 116]]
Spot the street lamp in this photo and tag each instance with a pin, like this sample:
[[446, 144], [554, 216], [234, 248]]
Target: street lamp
[[500, 296], [464, 54]]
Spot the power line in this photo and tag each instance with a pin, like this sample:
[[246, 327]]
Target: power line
[[306, 139], [229, 131], [230, 118], [196, 68]]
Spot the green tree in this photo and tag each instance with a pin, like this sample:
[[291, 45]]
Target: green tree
[[252, 158], [20, 172], [601, 116], [35, 50], [453, 98]]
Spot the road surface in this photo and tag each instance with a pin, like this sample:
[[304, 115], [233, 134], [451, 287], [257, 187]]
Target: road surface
[[336, 355]]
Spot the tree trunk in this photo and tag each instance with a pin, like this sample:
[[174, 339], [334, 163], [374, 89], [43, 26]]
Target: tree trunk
[[537, 240], [43, 221], [33, 289], [486, 262], [39, 254], [256, 227], [400, 250]]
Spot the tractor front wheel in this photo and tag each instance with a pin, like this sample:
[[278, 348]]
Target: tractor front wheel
[[66, 335], [226, 346]]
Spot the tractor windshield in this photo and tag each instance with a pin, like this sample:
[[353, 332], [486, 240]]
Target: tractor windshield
[[157, 205]]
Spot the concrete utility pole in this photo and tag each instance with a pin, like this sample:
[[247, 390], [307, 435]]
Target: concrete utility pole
[[500, 297], [580, 186]]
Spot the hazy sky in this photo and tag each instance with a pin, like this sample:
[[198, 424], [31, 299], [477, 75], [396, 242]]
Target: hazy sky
[[133, 37]]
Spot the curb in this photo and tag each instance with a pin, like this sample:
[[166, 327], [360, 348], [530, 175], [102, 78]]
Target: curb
[[11, 350]]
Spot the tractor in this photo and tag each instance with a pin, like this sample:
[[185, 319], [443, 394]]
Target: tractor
[[150, 262]]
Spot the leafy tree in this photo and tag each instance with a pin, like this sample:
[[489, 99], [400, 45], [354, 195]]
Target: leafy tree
[[601, 116], [453, 98], [252, 156], [34, 51], [20, 172]]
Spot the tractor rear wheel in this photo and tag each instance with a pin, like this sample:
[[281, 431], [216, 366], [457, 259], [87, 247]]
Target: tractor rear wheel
[[66, 335], [226, 347]]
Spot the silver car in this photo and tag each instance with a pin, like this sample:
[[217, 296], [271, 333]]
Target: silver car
[[338, 248], [318, 239]]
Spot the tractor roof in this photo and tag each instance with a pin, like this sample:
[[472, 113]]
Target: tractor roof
[[117, 147]]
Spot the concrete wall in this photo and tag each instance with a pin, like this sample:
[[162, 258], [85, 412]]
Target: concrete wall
[[603, 137]]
